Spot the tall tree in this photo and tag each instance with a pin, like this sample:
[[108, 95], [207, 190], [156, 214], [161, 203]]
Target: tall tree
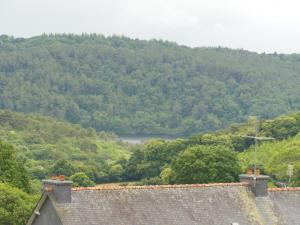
[[206, 164], [12, 171]]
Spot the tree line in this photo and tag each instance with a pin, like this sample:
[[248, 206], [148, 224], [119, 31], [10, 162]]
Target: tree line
[[128, 86]]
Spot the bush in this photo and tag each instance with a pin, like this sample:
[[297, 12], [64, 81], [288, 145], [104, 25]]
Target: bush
[[115, 172], [81, 180], [152, 181], [166, 175], [15, 205], [206, 164]]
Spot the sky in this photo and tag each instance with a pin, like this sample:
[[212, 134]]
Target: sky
[[256, 25]]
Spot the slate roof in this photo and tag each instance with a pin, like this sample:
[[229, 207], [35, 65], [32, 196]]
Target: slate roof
[[212, 204], [287, 204], [201, 204]]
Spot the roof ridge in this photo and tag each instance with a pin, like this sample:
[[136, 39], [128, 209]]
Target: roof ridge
[[161, 186], [284, 189]]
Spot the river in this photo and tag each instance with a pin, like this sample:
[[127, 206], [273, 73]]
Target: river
[[143, 139]]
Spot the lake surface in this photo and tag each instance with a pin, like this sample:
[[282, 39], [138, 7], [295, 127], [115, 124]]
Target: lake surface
[[143, 139]]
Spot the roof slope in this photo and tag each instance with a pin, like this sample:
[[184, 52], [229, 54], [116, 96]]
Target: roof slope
[[162, 205], [287, 204], [46, 208]]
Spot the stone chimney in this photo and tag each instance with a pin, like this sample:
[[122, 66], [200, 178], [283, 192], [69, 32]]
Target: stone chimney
[[60, 189], [258, 183]]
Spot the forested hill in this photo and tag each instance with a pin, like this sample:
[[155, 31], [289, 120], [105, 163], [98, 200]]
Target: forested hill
[[48, 147], [144, 87]]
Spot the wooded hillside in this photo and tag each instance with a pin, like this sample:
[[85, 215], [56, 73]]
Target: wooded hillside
[[46, 147], [144, 87]]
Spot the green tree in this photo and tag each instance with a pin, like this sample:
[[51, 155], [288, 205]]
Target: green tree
[[80, 179], [132, 169], [116, 172], [12, 171], [150, 161], [15, 205], [166, 175], [296, 178], [206, 164], [282, 127], [63, 167], [275, 157]]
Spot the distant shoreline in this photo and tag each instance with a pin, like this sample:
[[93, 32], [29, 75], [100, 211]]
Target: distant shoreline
[[143, 139]]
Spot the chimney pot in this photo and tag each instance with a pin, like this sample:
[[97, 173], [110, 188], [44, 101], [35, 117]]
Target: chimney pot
[[249, 172], [257, 172]]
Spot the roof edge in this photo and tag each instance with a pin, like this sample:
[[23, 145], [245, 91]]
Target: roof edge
[[161, 186], [45, 195], [284, 189], [38, 206]]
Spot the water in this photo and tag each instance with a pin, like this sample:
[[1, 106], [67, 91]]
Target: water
[[142, 139]]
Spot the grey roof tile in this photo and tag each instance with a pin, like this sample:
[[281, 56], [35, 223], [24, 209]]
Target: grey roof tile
[[204, 204], [212, 205]]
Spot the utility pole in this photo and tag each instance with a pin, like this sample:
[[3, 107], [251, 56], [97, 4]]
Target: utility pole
[[290, 172]]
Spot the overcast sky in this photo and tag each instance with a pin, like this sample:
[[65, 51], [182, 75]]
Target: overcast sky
[[256, 25]]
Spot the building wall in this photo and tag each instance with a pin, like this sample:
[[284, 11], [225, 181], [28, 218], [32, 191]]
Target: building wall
[[48, 215]]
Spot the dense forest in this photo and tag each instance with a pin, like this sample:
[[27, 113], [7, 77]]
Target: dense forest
[[35, 147], [221, 156], [48, 147], [144, 87], [45, 147]]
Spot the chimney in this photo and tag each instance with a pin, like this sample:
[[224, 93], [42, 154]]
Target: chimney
[[258, 183], [60, 189]]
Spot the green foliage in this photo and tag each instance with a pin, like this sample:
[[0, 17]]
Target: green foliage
[[11, 170], [134, 167], [63, 167], [206, 164], [152, 181], [15, 205], [282, 127], [149, 162], [296, 179], [166, 175], [211, 139], [143, 87], [81, 180], [116, 172], [275, 157], [203, 158], [155, 160], [48, 147]]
